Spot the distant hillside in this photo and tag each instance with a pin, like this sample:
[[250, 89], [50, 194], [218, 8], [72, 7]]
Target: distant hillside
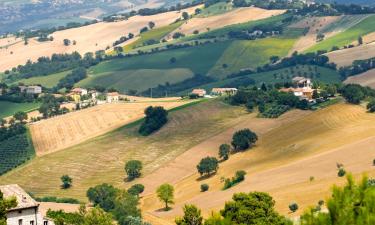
[[361, 2]]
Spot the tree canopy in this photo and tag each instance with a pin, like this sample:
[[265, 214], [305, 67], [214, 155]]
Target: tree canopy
[[243, 139]]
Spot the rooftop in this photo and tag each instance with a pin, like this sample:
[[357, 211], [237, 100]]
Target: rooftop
[[24, 200]]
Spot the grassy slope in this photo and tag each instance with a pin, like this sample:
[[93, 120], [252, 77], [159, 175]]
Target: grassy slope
[[49, 81], [155, 34], [251, 54], [141, 79], [9, 108], [366, 26], [102, 159], [216, 9]]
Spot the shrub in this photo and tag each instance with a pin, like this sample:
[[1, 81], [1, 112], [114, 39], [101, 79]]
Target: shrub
[[341, 172], [371, 106], [136, 189], [66, 181], [293, 207], [204, 187], [224, 151], [239, 177]]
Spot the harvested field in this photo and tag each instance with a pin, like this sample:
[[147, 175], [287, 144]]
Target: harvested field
[[345, 57], [364, 79], [282, 162], [102, 159], [73, 128], [236, 16], [89, 38], [315, 26], [369, 38]]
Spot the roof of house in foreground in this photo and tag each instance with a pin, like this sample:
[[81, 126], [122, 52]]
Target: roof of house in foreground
[[24, 200]]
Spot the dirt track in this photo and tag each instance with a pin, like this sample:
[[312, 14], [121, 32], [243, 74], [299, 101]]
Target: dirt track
[[236, 16], [89, 38]]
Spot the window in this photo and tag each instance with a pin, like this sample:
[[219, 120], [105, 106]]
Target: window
[[20, 222], [45, 222], [32, 222]]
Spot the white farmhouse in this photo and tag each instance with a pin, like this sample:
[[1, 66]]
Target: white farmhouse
[[27, 210], [31, 89], [113, 97]]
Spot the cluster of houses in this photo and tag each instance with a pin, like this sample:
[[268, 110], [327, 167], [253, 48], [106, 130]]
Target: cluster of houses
[[27, 211], [214, 92], [84, 96], [302, 88]]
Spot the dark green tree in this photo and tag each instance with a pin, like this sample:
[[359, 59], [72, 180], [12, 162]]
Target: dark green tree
[[185, 15], [136, 189], [103, 195], [156, 117], [66, 181], [224, 151], [207, 166], [133, 169], [243, 139], [371, 106], [126, 205], [20, 116]]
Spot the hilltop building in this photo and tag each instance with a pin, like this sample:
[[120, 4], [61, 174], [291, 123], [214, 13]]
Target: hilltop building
[[302, 88], [302, 82], [31, 89], [27, 210], [224, 91], [113, 97]]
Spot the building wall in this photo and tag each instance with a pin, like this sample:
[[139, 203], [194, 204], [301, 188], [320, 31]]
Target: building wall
[[27, 215]]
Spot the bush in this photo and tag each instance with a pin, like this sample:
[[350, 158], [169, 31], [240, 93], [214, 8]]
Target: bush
[[371, 106], [66, 181], [224, 151], [239, 177], [136, 189], [243, 139], [204, 187], [341, 172], [293, 207], [156, 117]]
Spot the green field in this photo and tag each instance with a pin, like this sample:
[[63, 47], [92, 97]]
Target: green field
[[344, 23], [251, 54], [156, 34], [216, 9], [49, 81], [140, 80], [9, 108], [366, 26]]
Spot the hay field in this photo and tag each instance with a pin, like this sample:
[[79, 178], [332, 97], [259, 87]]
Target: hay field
[[89, 38], [236, 16], [102, 159], [73, 128], [283, 161], [364, 79], [345, 57], [315, 26]]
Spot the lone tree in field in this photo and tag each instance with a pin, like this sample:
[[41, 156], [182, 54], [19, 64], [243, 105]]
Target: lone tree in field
[[156, 117], [151, 25], [243, 139], [166, 194], [66, 42], [66, 181], [20, 116], [133, 169], [136, 189], [207, 166], [224, 151], [360, 40], [192, 216], [185, 15]]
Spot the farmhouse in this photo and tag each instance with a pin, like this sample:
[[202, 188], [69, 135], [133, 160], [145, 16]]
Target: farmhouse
[[302, 93], [113, 97], [27, 210], [224, 91], [80, 91], [302, 82], [31, 89], [199, 92]]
